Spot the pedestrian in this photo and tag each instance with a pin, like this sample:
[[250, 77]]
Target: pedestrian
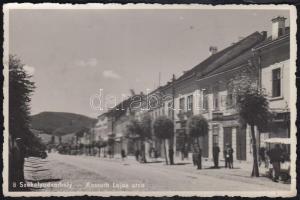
[[199, 159], [194, 158], [123, 154], [275, 159], [182, 152], [109, 153], [262, 156], [137, 155], [230, 152], [216, 151], [226, 156], [171, 156], [155, 154]]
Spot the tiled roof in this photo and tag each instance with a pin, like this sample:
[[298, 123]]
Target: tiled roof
[[269, 39], [239, 52]]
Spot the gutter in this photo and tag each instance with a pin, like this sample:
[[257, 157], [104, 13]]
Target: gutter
[[200, 79]]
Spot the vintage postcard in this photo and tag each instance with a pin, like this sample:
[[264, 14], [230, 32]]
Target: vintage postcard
[[149, 100]]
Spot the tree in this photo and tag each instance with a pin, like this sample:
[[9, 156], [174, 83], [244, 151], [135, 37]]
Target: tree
[[20, 91], [254, 110], [197, 127], [253, 107], [164, 129], [134, 130], [146, 133]]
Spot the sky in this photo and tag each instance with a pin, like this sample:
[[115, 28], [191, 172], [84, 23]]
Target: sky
[[72, 54]]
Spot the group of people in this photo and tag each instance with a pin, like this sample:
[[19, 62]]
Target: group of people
[[228, 155], [276, 156]]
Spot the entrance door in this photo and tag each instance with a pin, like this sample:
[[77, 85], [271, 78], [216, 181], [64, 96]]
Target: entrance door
[[227, 136], [241, 144]]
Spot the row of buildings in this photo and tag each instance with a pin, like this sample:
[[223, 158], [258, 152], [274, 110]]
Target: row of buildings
[[205, 90]]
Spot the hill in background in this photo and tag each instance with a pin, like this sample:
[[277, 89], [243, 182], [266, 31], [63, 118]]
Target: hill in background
[[60, 123]]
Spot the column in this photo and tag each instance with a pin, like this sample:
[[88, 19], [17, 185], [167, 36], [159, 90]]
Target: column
[[234, 132], [210, 141], [221, 142]]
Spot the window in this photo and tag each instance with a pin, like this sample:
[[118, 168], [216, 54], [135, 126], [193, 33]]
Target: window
[[190, 103], [181, 105], [205, 100], [170, 109], [276, 82], [215, 98], [229, 100], [215, 130]]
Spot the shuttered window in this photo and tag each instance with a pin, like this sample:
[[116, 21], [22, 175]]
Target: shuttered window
[[276, 82]]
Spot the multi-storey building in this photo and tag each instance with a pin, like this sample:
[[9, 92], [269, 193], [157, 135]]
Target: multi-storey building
[[205, 90], [273, 59]]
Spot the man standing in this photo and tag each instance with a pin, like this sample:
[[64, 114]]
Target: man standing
[[262, 156], [275, 158], [123, 154], [230, 152], [226, 155], [216, 151], [171, 156]]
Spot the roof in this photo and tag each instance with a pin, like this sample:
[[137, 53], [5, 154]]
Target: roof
[[225, 59], [237, 54], [269, 40], [204, 63]]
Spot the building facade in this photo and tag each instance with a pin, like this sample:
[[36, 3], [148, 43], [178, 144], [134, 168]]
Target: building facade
[[205, 89]]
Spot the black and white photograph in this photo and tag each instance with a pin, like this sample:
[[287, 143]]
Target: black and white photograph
[[149, 100]]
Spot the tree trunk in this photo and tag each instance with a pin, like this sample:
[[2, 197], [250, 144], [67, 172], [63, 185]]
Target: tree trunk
[[165, 148], [199, 155], [144, 151], [255, 171]]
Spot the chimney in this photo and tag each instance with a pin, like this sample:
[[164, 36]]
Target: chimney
[[278, 27], [212, 50], [264, 34]]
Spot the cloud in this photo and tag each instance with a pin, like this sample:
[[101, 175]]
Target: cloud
[[29, 69], [110, 74], [91, 62]]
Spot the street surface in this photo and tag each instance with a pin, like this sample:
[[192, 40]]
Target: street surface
[[88, 173]]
